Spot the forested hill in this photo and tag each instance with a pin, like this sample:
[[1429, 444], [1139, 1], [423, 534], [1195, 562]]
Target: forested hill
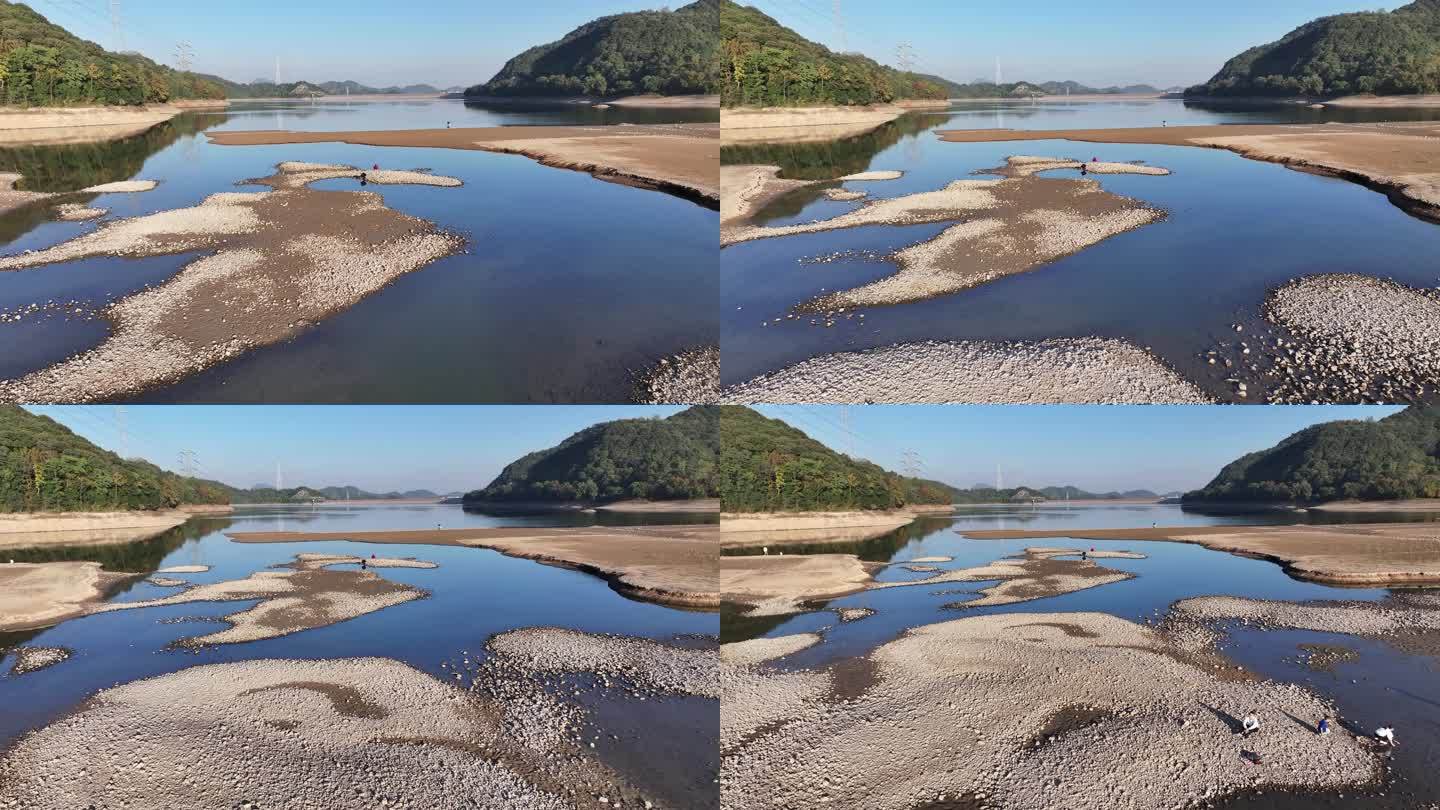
[[658, 459], [768, 466], [763, 63], [1396, 457], [42, 64], [46, 468], [1385, 53], [666, 52]]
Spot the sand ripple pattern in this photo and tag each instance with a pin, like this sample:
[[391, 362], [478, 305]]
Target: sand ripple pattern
[[1062, 370], [282, 260], [358, 733], [968, 708]]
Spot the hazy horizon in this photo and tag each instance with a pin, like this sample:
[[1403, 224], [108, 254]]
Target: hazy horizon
[[379, 448], [1099, 448], [440, 42], [1101, 43]]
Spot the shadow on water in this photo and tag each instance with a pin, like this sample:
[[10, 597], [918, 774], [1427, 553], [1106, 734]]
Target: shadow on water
[[73, 166]]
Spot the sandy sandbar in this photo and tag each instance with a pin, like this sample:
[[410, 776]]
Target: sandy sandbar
[[1056, 371], [353, 733], [672, 565], [275, 263], [41, 594], [1401, 160], [680, 159], [308, 596], [1358, 554]]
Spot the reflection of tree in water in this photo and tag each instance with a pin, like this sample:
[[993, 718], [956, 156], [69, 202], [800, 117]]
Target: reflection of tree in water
[[137, 557], [73, 166], [736, 626], [826, 160], [1303, 114], [584, 114], [876, 549]]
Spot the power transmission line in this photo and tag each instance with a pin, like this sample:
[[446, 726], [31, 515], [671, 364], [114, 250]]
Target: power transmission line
[[119, 31], [184, 56]]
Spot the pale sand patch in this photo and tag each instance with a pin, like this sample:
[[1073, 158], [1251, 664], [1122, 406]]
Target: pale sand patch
[[1359, 554], [759, 650], [1037, 575], [1057, 371], [1354, 618], [42, 594], [167, 582], [354, 733], [882, 174], [844, 195], [777, 584], [848, 615], [1032, 223], [122, 186], [745, 189], [660, 667], [283, 260], [34, 659], [952, 202], [1027, 165], [305, 598], [935, 559], [75, 212], [958, 706], [184, 569], [673, 565], [326, 560]]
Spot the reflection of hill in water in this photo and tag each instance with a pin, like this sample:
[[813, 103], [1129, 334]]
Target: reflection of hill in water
[[876, 549], [139, 557], [70, 167], [826, 160]]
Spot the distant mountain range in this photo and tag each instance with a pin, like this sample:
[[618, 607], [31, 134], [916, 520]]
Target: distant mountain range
[[1380, 52], [261, 493], [984, 493], [261, 88], [1395, 458], [665, 52], [983, 89]]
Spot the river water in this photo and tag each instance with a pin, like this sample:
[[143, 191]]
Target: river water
[[567, 284], [667, 746], [1383, 685], [1235, 229]]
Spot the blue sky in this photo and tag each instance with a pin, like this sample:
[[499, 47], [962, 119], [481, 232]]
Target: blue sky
[[376, 42], [378, 448], [1096, 42], [1099, 448]]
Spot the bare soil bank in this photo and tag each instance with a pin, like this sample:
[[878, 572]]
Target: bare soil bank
[[1400, 160], [1416, 505], [41, 594], [671, 565], [694, 505], [679, 159], [1360, 554], [31, 529], [50, 125], [801, 124]]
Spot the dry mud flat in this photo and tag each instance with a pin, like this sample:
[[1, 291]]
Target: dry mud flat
[[1358, 554], [679, 159], [1060, 370], [1397, 159], [355, 733], [278, 262], [41, 594], [973, 712], [1355, 338], [774, 585], [304, 598], [671, 565]]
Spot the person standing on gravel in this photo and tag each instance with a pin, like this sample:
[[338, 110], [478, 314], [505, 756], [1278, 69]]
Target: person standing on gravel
[[1324, 727], [1249, 725]]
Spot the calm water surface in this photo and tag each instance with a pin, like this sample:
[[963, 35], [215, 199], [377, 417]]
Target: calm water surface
[[566, 285], [1236, 228], [475, 593], [1384, 685]]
